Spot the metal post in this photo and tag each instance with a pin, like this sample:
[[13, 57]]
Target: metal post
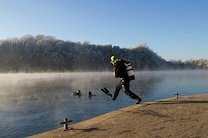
[[65, 123], [177, 95]]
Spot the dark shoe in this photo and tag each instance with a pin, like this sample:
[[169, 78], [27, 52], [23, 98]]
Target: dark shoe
[[138, 101]]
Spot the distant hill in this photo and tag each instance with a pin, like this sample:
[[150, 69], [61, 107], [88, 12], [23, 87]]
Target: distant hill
[[45, 53]]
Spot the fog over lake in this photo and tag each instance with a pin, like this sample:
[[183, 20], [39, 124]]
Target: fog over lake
[[31, 103]]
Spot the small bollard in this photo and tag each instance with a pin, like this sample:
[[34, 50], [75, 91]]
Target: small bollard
[[177, 94], [65, 123]]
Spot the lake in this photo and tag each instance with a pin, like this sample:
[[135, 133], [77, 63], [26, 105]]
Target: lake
[[32, 103]]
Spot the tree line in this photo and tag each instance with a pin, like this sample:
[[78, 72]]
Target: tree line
[[46, 53]]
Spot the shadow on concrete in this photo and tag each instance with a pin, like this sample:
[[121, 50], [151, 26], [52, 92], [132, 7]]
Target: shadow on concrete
[[149, 113], [152, 113], [172, 102], [88, 129], [182, 102]]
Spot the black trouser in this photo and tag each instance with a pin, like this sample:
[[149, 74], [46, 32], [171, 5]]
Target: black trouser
[[125, 83]]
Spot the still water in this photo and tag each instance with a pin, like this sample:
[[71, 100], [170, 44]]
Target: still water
[[31, 103]]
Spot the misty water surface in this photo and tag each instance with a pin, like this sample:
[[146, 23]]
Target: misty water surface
[[31, 103]]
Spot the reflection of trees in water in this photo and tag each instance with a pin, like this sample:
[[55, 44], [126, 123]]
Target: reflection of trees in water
[[39, 86], [145, 83], [30, 93], [31, 102], [49, 90], [28, 90]]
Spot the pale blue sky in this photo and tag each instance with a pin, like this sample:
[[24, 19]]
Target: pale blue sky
[[174, 29]]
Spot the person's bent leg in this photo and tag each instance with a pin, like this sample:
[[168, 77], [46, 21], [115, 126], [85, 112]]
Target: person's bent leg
[[131, 94], [128, 92], [118, 88]]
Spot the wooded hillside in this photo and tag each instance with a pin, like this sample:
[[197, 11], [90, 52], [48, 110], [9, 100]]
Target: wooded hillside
[[46, 53]]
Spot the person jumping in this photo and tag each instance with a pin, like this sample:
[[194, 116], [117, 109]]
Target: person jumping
[[123, 70]]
